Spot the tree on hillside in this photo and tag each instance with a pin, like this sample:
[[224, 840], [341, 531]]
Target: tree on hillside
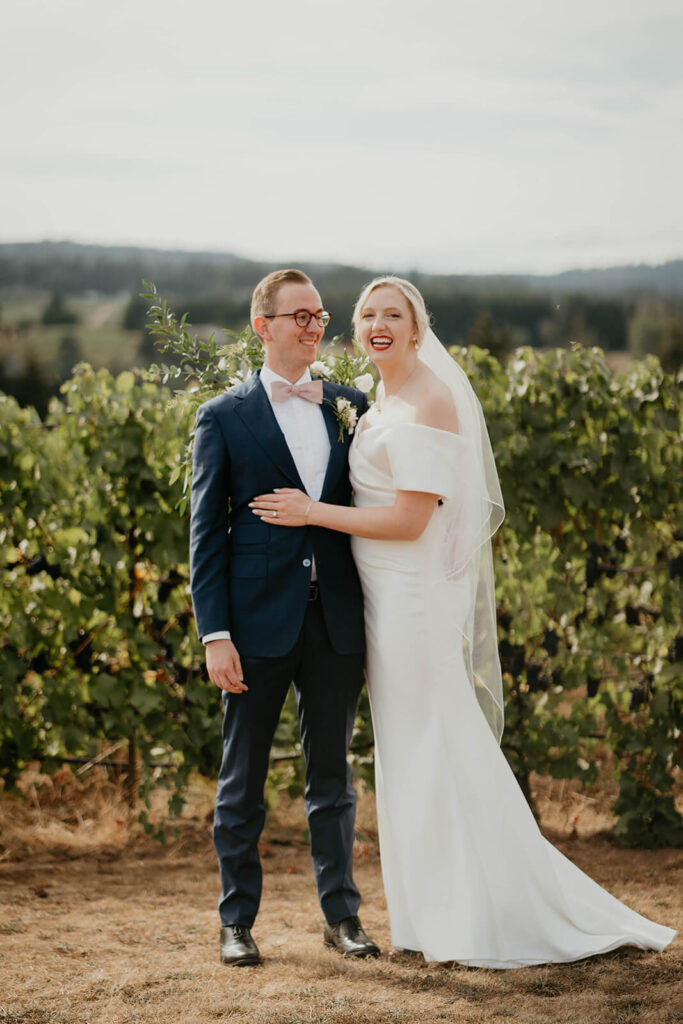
[[658, 330], [147, 351], [136, 313], [28, 382], [484, 334], [57, 312], [69, 353]]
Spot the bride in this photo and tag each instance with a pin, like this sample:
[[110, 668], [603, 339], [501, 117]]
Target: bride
[[467, 874]]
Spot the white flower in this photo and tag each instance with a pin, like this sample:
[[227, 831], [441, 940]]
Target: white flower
[[320, 369], [364, 382], [347, 416]]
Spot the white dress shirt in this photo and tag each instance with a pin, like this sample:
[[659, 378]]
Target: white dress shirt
[[306, 435]]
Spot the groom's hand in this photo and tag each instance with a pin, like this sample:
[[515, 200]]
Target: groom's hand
[[224, 666]]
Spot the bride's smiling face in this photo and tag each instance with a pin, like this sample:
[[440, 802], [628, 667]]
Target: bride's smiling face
[[386, 326]]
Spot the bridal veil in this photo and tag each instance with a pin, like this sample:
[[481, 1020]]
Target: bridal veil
[[472, 520]]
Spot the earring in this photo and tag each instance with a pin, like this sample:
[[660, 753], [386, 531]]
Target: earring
[[416, 343]]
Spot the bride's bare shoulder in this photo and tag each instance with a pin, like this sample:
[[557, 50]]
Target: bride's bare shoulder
[[435, 407]]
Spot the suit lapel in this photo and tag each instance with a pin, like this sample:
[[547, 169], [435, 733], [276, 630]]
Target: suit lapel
[[257, 414], [338, 449]]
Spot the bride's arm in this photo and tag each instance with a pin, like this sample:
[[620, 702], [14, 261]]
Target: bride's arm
[[406, 519]]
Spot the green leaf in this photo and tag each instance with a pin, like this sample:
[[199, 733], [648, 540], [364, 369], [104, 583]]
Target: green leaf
[[125, 382]]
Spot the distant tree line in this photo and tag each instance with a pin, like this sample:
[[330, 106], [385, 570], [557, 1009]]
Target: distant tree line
[[519, 318], [499, 324], [70, 268], [617, 309]]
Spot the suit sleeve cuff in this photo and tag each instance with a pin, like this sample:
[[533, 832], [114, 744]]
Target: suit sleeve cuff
[[222, 634]]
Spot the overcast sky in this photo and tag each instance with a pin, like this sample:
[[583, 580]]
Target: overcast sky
[[454, 136]]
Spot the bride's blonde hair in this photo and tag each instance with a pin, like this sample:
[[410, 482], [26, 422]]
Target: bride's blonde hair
[[421, 317]]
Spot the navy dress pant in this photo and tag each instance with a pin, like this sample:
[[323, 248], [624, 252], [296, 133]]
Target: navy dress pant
[[327, 686]]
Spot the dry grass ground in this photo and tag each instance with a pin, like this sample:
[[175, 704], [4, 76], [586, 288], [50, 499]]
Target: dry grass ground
[[100, 925]]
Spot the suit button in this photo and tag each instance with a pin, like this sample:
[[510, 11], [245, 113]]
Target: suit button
[[307, 562]]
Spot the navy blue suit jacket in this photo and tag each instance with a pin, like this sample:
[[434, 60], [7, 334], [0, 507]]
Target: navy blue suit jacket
[[250, 576]]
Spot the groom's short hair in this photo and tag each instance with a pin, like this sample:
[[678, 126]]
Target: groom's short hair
[[266, 291]]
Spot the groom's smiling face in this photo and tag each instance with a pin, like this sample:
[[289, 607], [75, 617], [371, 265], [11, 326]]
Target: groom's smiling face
[[290, 348]]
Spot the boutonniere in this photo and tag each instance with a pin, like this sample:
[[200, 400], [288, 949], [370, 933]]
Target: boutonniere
[[347, 416]]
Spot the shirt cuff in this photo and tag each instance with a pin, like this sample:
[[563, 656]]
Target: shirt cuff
[[222, 634]]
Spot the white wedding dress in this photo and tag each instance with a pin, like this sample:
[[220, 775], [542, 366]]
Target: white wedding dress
[[467, 874]]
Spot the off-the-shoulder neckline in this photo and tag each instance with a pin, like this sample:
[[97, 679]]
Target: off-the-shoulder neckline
[[407, 423]]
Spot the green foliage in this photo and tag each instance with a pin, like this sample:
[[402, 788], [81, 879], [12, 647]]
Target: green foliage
[[96, 640], [96, 637], [588, 570], [643, 728]]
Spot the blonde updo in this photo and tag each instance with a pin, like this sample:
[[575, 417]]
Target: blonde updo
[[421, 318]]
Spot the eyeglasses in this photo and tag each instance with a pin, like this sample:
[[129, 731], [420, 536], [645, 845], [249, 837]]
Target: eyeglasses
[[302, 317]]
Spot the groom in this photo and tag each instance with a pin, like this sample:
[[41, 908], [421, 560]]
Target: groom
[[275, 605]]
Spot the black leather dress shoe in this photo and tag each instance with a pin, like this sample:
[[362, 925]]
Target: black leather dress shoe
[[349, 939], [237, 947]]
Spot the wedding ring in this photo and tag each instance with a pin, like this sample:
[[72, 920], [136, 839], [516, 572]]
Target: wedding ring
[[275, 515]]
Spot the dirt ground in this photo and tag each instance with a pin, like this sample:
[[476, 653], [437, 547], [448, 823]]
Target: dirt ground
[[101, 925]]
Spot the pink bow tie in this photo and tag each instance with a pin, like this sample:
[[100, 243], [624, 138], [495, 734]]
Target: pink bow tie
[[312, 391]]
